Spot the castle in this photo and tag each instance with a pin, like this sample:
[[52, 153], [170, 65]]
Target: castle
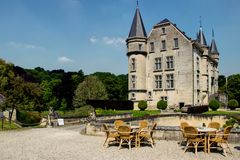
[[166, 64]]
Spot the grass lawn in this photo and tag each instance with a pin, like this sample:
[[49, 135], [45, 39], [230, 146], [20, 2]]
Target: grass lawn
[[136, 113], [7, 125], [223, 112]]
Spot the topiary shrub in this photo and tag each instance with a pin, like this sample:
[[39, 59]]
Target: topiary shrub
[[214, 104], [142, 105], [162, 104], [232, 104]]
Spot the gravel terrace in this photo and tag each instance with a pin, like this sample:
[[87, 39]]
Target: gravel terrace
[[66, 143]]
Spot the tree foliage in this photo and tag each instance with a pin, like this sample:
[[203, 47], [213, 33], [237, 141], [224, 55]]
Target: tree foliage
[[162, 104], [233, 104], [233, 87], [142, 105], [90, 89]]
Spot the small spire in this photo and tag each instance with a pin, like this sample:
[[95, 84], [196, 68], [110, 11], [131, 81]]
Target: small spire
[[200, 21], [212, 33], [137, 3]]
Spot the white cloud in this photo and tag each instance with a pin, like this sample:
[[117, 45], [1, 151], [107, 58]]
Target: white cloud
[[93, 40], [64, 59], [113, 40], [24, 45]]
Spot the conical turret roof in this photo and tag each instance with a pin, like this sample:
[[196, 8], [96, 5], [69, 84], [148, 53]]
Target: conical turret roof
[[201, 38], [213, 48], [137, 29]]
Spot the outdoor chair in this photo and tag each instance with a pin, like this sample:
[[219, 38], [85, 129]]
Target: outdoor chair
[[215, 125], [126, 136], [193, 138], [146, 135], [182, 126], [112, 136], [118, 123], [143, 124], [220, 139]]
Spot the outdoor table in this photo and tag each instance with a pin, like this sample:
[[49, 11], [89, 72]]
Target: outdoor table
[[205, 131], [135, 130]]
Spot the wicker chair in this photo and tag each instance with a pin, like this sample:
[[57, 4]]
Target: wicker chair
[[125, 135], [182, 126], [146, 135], [143, 124], [193, 138], [118, 123], [112, 136], [220, 139], [215, 125]]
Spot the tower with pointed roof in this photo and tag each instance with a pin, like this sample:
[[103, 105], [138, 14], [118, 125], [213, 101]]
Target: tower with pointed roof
[[137, 52], [168, 65]]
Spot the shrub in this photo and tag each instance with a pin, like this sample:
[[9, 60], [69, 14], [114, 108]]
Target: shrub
[[162, 104], [232, 104], [142, 105], [214, 104], [28, 118], [84, 111], [197, 109], [230, 122]]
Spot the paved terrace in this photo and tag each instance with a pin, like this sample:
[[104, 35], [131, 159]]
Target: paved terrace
[[65, 143]]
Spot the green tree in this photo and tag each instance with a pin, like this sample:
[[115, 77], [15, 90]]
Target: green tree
[[222, 83], [233, 87], [90, 88], [233, 104]]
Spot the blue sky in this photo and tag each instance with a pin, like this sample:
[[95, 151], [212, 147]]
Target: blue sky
[[90, 34]]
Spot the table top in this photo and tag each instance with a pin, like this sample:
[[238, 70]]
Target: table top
[[135, 127], [206, 129]]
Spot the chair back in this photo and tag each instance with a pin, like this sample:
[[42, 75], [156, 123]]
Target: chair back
[[215, 125], [183, 125], [124, 131], [153, 128], [190, 132], [118, 123], [226, 132], [106, 129], [143, 124]]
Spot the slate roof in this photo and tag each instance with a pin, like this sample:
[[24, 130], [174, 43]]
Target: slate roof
[[201, 38], [213, 48], [137, 28]]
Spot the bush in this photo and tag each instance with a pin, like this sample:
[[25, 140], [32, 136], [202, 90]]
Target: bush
[[84, 111], [232, 104], [142, 105], [214, 104], [197, 109], [28, 118], [230, 122], [162, 104]]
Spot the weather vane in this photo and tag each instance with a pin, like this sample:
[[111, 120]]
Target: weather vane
[[137, 3], [200, 21]]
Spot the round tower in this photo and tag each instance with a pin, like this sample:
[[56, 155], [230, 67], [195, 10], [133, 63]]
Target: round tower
[[137, 52]]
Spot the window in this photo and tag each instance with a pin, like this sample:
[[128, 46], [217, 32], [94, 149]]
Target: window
[[158, 81], [140, 47], [175, 42], [170, 63], [170, 81], [163, 45], [163, 31], [133, 64], [158, 63], [133, 80], [197, 63], [133, 96], [149, 95], [198, 82], [164, 98], [151, 47]]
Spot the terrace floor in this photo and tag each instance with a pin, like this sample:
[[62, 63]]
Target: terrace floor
[[66, 143]]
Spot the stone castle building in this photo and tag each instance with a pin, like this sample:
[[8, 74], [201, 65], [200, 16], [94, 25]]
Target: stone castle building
[[166, 64]]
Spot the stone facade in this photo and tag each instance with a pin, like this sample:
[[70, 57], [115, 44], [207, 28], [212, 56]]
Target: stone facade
[[168, 65]]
